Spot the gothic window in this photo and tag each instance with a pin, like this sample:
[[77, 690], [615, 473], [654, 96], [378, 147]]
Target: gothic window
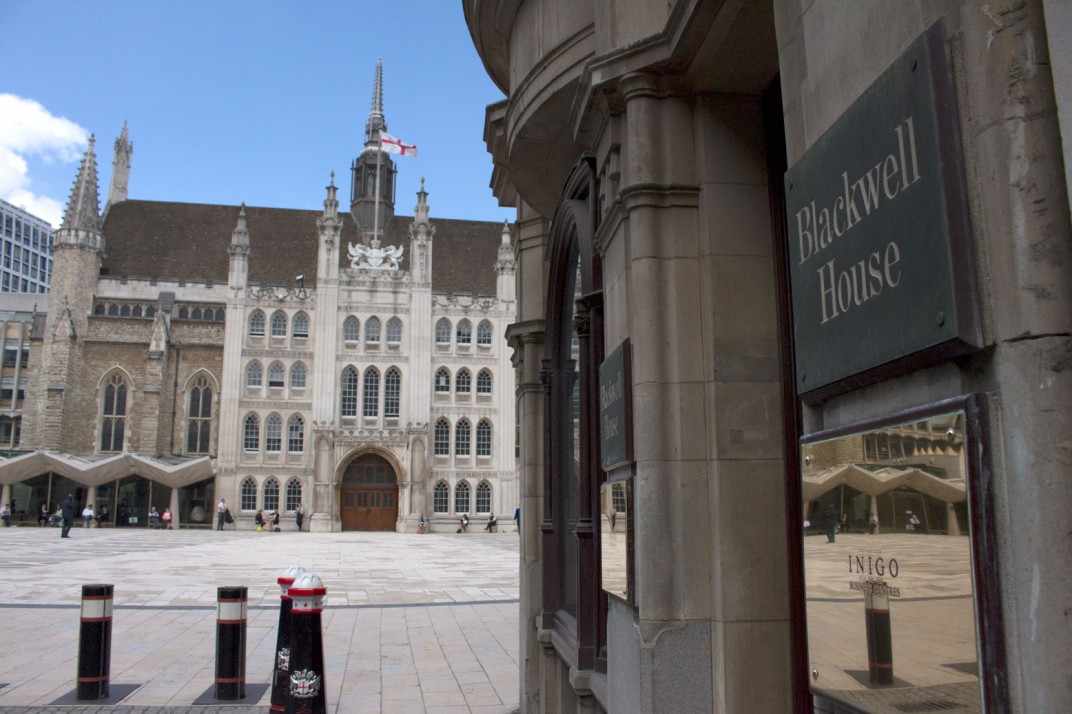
[[135, 311], [256, 324], [253, 374], [441, 498], [370, 397], [113, 310], [372, 330], [251, 433], [199, 417], [98, 309], [461, 438], [301, 325], [483, 334], [276, 374], [296, 434], [483, 497], [113, 414], [247, 495], [461, 497], [483, 438], [442, 380], [394, 331], [442, 437], [465, 333], [271, 495], [294, 491], [297, 375], [442, 332], [392, 391], [483, 382], [218, 315], [125, 311], [195, 313], [279, 324], [348, 407], [351, 329], [463, 382], [273, 434]]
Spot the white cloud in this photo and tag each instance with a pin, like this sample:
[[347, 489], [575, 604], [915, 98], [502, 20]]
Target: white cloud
[[28, 129]]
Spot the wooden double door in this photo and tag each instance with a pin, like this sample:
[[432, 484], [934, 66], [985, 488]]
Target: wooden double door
[[368, 498]]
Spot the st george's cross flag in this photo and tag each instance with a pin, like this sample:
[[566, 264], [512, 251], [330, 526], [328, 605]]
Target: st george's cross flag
[[396, 146]]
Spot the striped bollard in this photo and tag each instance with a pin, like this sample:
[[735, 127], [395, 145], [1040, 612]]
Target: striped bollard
[[94, 643], [231, 643], [305, 694], [879, 637], [282, 640]]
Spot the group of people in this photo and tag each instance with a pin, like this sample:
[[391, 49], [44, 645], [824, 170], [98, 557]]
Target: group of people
[[264, 521], [463, 522]]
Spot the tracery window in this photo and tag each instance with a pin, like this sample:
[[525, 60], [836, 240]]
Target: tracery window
[[370, 398], [271, 495], [113, 414], [256, 324], [483, 497], [483, 438], [392, 393], [254, 373], [199, 417], [301, 325], [463, 382], [351, 329], [465, 333], [442, 380], [442, 437], [461, 497], [483, 382], [276, 375], [273, 434], [251, 433], [394, 331], [372, 330], [297, 375], [247, 495], [483, 334], [294, 494], [461, 438], [348, 393], [442, 332], [296, 434], [279, 324], [441, 498]]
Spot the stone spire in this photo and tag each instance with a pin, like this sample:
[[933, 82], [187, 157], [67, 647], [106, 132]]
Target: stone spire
[[376, 121], [420, 211], [371, 169], [81, 221], [331, 204], [124, 149], [505, 267], [240, 235], [238, 277]]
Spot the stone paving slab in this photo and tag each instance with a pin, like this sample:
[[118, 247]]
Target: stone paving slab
[[413, 623]]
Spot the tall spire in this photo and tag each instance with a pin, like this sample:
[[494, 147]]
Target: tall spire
[[117, 190], [376, 121], [83, 206], [372, 187]]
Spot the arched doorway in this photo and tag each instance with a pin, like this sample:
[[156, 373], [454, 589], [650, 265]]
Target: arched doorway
[[369, 495]]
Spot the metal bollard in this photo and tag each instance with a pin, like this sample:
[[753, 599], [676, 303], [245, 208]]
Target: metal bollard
[[305, 693], [282, 640], [879, 637], [231, 643], [94, 643]]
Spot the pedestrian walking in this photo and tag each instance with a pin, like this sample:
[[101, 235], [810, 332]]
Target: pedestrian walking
[[68, 512], [221, 513], [299, 516]]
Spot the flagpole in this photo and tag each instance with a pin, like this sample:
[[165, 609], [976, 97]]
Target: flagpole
[[376, 218]]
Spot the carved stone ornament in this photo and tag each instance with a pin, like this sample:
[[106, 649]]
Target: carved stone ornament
[[374, 257]]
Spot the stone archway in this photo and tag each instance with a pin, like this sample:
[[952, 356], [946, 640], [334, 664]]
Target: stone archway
[[368, 494]]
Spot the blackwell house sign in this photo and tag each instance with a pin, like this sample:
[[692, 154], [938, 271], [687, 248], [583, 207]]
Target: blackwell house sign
[[879, 258]]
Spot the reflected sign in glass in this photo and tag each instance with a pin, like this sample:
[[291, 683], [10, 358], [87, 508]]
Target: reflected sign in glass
[[888, 567], [616, 538]]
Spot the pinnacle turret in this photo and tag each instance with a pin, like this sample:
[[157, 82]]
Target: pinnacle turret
[[83, 206], [117, 189]]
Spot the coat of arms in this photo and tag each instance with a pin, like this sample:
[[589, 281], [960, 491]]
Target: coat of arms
[[304, 684]]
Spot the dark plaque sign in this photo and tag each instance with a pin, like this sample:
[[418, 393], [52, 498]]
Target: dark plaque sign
[[879, 258], [616, 408]]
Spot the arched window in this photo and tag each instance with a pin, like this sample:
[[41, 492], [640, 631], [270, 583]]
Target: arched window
[[113, 414], [441, 498], [254, 372], [483, 382], [256, 324], [279, 324], [251, 433], [370, 396], [465, 332], [394, 331], [113, 310], [483, 497], [442, 380], [442, 437], [199, 417], [351, 329], [461, 438], [348, 393], [442, 332], [293, 494], [297, 375], [270, 500], [463, 383], [461, 497], [296, 434], [273, 433], [276, 374], [301, 325], [483, 438], [372, 330], [247, 494], [483, 334], [392, 392]]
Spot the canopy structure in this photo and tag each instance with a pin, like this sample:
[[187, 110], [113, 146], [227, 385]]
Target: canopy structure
[[94, 472], [874, 483]]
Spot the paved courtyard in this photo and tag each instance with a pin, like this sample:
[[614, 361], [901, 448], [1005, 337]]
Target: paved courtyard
[[412, 623]]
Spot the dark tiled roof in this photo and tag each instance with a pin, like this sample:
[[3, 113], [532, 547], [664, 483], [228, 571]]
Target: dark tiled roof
[[188, 241]]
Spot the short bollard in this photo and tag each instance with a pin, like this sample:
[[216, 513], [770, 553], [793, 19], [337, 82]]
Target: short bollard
[[94, 643], [282, 640], [231, 643], [305, 695], [879, 637]]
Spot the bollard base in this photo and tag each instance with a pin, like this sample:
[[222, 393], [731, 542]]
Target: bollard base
[[116, 693], [254, 692]]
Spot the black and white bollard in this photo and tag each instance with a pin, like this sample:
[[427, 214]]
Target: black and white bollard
[[231, 643], [879, 636], [94, 643], [305, 693], [282, 640]]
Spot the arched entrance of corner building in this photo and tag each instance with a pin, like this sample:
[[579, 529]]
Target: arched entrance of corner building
[[368, 494]]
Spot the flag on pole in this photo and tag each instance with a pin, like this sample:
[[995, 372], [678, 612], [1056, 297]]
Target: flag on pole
[[396, 146]]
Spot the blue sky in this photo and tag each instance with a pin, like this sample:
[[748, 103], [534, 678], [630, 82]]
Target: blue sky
[[242, 100]]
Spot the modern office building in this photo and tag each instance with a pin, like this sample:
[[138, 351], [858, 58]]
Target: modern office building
[[27, 251], [792, 342]]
